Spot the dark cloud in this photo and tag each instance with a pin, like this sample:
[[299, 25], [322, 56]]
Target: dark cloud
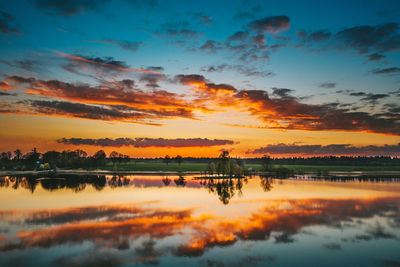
[[70, 7], [339, 149], [373, 98], [152, 78], [181, 30], [375, 57], [244, 70], [211, 46], [366, 40], [392, 70], [101, 66], [240, 36], [104, 61], [282, 92], [308, 39], [147, 142], [124, 44], [190, 78], [155, 68], [272, 24], [259, 40], [85, 111], [8, 24], [382, 38], [26, 64], [327, 85], [2, 93], [369, 97], [358, 94]]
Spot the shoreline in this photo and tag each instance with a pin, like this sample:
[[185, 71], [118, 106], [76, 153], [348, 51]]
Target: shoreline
[[108, 172]]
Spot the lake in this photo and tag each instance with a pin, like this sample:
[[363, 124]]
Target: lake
[[174, 221]]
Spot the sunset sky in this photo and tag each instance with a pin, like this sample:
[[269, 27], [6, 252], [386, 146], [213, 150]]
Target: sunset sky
[[150, 78]]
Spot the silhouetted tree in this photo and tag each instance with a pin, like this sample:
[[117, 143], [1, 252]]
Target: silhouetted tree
[[52, 157], [167, 159], [266, 163], [99, 158], [114, 157], [17, 154], [178, 159]]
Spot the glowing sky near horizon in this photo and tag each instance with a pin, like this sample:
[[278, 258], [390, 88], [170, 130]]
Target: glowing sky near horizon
[[252, 77]]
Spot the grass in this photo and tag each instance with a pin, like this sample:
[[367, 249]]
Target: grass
[[159, 166]]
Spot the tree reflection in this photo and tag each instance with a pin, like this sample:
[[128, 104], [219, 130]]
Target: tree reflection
[[166, 181], [180, 181], [118, 181], [75, 183], [225, 189], [266, 183]]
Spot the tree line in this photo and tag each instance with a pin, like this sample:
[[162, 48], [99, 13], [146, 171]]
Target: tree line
[[16, 160]]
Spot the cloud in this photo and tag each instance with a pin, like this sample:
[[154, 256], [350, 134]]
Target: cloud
[[6, 94], [211, 46], [152, 78], [366, 40], [178, 30], [102, 64], [274, 24], [289, 112], [392, 70], [280, 112], [369, 97], [282, 92], [247, 71], [204, 19], [114, 226], [373, 98], [124, 44], [240, 36], [147, 142], [5, 86], [382, 38], [307, 39], [327, 85], [68, 8], [25, 64], [203, 87], [125, 101], [155, 68], [85, 111], [8, 24], [333, 149], [375, 57]]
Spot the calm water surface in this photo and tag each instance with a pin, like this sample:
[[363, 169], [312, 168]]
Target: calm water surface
[[172, 221]]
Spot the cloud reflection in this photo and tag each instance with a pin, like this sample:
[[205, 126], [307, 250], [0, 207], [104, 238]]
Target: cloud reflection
[[117, 226]]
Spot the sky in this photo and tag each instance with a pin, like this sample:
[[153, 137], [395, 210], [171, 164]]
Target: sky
[[150, 78]]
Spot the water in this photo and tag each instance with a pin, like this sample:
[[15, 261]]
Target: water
[[172, 221]]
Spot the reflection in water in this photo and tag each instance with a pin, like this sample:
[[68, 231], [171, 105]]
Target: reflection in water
[[224, 188], [259, 231], [180, 181], [76, 183]]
